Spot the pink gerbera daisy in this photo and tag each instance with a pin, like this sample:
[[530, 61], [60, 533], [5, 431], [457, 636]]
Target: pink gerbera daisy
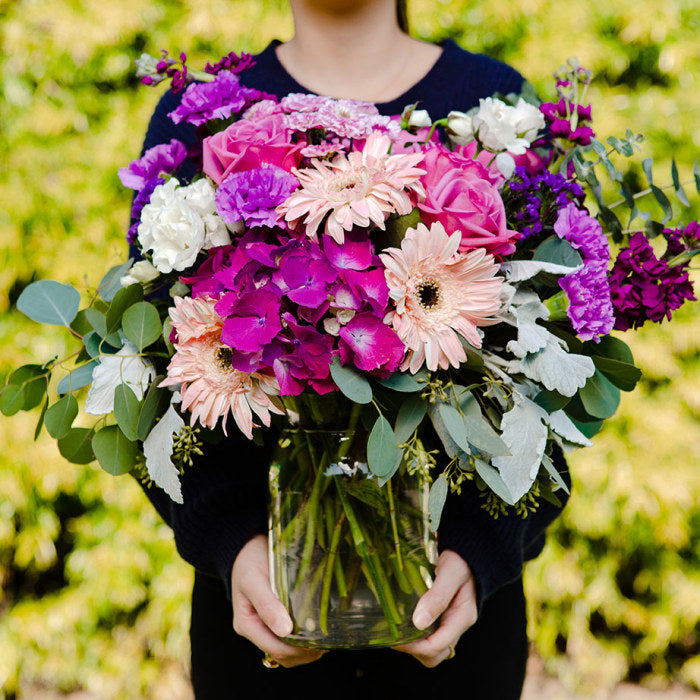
[[210, 386], [439, 295], [359, 189]]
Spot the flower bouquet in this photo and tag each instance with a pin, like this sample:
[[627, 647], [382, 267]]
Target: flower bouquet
[[413, 305]]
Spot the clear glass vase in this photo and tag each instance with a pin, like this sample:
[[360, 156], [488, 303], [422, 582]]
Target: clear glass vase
[[349, 555]]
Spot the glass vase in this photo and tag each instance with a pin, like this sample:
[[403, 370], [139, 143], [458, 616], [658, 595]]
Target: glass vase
[[350, 555]]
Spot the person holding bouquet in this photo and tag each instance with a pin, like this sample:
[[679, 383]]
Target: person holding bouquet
[[359, 50]]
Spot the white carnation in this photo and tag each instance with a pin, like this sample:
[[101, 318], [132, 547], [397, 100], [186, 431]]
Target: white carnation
[[420, 118], [200, 196], [500, 127], [124, 367], [171, 228], [459, 128], [142, 272]]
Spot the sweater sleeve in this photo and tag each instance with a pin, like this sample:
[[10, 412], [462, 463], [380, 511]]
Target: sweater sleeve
[[496, 548]]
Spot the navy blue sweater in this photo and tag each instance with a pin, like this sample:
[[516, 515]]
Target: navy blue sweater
[[225, 492]]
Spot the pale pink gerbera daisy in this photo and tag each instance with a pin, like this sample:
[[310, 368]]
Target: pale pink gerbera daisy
[[361, 188], [210, 386], [439, 294]]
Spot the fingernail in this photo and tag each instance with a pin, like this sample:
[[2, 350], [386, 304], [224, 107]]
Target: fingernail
[[283, 626], [421, 619]]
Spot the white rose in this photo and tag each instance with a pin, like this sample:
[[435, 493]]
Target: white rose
[[420, 118], [459, 128], [141, 271], [171, 228], [200, 196]]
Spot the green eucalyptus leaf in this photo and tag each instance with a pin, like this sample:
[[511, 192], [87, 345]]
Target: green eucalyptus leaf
[[623, 375], [127, 409], [40, 422], [484, 437], [436, 501], [77, 378], [612, 222], [664, 203], [114, 451], [60, 416], [382, 450], [80, 324], [49, 302], [110, 283], [141, 324], [34, 381], [493, 480], [154, 404], [548, 464], [653, 228], [454, 423], [557, 251], [680, 192], [76, 446], [97, 320], [551, 400], [647, 164], [600, 397], [405, 382], [123, 299], [351, 382], [696, 175], [588, 428], [409, 417], [610, 346], [12, 398]]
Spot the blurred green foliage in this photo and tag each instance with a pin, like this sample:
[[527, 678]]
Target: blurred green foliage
[[94, 595]]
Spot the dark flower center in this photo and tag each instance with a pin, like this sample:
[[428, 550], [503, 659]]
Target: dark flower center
[[223, 357], [428, 293]]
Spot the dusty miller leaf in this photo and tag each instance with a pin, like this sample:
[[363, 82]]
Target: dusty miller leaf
[[158, 450]]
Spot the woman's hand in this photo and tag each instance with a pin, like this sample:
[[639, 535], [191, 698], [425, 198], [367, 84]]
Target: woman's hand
[[257, 613], [453, 594]]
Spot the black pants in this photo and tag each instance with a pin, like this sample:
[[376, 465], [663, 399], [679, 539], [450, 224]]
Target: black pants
[[489, 664]]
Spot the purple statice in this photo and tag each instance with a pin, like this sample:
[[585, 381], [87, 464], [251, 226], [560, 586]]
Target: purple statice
[[231, 62], [590, 308], [533, 202], [163, 158], [252, 196], [142, 198], [645, 287], [583, 232], [221, 98]]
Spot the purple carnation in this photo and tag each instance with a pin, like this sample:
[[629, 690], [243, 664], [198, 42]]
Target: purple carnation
[[218, 99], [644, 287], [142, 198], [590, 308], [253, 195], [583, 232], [163, 158]]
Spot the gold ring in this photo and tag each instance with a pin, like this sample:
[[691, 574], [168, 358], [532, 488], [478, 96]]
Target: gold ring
[[452, 653], [269, 662]]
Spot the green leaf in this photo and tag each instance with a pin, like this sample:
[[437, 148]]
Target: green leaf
[[558, 479], [351, 382], [60, 416], [80, 324], [382, 451], [155, 404], [76, 446], [551, 400], [680, 192], [97, 320], [77, 378], [110, 283], [558, 251], [623, 375], [11, 399], [127, 409], [409, 417], [122, 300], [647, 164], [588, 428], [40, 422], [141, 324], [34, 380], [493, 480], [600, 397], [610, 346], [612, 223], [696, 175], [484, 437], [653, 228], [454, 422], [621, 146], [49, 302], [114, 451], [405, 382], [662, 199], [436, 501]]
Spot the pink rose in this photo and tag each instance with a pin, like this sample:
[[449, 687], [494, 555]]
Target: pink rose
[[460, 195], [247, 144]]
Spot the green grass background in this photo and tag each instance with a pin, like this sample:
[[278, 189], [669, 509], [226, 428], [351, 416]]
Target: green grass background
[[94, 595]]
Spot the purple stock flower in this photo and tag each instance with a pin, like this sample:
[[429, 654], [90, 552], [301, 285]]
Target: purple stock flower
[[583, 232], [370, 344], [252, 195], [644, 287], [218, 99], [590, 308], [163, 158], [559, 119], [231, 62]]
